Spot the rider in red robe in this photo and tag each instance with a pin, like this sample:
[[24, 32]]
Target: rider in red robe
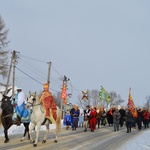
[[48, 102]]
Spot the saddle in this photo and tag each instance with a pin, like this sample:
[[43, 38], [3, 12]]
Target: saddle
[[17, 120]]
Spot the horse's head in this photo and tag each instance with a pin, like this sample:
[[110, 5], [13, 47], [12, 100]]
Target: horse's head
[[31, 100], [6, 103]]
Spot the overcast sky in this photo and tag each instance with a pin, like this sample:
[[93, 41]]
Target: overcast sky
[[92, 42]]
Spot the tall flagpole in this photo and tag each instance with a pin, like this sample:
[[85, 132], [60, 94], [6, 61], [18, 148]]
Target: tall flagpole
[[129, 90], [48, 76]]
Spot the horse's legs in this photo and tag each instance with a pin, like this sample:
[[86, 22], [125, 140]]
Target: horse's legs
[[26, 125], [7, 123], [31, 127], [6, 135], [56, 133], [46, 134], [37, 134], [58, 127]]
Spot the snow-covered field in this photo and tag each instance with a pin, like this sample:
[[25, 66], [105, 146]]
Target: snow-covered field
[[14, 129]]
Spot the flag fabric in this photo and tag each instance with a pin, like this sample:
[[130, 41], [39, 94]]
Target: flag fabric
[[131, 105], [64, 93], [85, 95], [103, 95]]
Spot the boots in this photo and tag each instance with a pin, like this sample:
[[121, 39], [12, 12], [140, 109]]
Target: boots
[[67, 127], [127, 131], [18, 121]]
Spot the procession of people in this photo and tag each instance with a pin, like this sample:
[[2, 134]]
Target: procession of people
[[96, 117], [91, 118]]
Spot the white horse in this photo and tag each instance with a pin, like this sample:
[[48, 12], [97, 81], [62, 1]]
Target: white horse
[[38, 118]]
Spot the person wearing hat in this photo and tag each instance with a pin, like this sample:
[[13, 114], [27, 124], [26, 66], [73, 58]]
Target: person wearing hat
[[86, 117], [19, 104], [49, 103]]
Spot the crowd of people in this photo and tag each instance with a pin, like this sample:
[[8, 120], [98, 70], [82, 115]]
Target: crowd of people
[[93, 118]]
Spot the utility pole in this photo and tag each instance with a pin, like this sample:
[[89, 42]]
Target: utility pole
[[14, 67], [9, 73], [49, 70], [13, 62]]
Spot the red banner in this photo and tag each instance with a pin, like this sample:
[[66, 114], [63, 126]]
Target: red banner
[[131, 105], [64, 93]]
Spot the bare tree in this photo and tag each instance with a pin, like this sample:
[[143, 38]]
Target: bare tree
[[58, 99], [94, 100], [115, 98], [3, 44], [95, 97]]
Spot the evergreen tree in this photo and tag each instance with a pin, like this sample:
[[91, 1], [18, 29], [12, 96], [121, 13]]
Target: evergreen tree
[[3, 45]]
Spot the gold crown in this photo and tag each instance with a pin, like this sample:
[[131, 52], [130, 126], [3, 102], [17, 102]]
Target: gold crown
[[45, 86]]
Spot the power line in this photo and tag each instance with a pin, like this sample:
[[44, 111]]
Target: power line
[[29, 76], [40, 61], [31, 68], [57, 72], [33, 59], [33, 78]]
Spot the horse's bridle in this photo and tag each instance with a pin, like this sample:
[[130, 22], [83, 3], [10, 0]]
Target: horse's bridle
[[32, 104], [33, 99]]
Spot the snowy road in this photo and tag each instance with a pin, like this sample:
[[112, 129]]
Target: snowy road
[[102, 139]]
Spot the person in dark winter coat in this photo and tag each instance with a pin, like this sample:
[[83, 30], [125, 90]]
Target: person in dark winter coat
[[116, 117], [110, 116], [71, 113], [139, 119], [123, 114], [129, 119], [75, 120], [75, 112]]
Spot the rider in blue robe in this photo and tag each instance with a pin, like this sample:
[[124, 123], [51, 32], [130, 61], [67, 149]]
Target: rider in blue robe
[[19, 105]]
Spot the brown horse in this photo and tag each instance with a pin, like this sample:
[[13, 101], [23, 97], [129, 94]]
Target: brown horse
[[6, 118]]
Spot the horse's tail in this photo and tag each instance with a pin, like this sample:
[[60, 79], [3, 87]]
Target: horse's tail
[[58, 122]]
